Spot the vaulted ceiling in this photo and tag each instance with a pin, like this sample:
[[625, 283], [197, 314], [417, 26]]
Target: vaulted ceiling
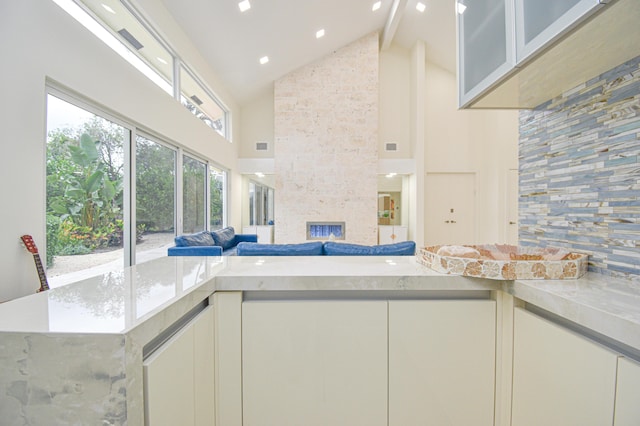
[[285, 31]]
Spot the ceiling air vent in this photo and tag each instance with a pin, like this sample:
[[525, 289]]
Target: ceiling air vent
[[390, 146], [262, 146], [131, 39], [196, 99]]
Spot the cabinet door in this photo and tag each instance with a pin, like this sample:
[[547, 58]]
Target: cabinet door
[[169, 382], [314, 363], [485, 45], [179, 377], [441, 362], [203, 360], [559, 377], [627, 412], [384, 234], [540, 22]]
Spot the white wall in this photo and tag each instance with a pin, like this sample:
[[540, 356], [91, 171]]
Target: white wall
[[257, 126], [395, 94], [41, 42], [480, 141]]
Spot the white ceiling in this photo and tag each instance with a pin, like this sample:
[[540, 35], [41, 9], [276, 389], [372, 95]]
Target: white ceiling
[[284, 30]]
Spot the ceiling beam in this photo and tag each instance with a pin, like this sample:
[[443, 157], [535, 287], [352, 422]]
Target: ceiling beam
[[393, 21]]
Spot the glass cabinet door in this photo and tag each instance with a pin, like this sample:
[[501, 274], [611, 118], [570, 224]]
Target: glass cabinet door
[[539, 22], [485, 45]]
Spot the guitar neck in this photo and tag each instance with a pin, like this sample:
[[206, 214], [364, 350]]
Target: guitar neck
[[44, 285]]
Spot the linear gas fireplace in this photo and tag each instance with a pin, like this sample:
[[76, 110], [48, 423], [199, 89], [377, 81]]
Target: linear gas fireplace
[[325, 230]]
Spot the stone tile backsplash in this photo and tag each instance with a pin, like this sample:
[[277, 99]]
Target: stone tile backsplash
[[580, 175]]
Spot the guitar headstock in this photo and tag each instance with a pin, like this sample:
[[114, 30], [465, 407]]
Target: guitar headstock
[[27, 240]]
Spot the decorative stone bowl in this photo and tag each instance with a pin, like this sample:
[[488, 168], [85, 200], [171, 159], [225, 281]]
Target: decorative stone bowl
[[504, 262]]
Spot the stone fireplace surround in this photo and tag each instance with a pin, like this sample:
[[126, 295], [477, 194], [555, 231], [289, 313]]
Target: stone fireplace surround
[[326, 135]]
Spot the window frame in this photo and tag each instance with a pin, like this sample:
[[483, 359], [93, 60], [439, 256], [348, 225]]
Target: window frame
[[174, 88]]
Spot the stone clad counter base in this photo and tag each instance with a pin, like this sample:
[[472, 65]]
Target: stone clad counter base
[[62, 379], [78, 360]]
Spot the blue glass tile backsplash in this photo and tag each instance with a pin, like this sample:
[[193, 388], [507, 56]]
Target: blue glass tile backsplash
[[580, 175]]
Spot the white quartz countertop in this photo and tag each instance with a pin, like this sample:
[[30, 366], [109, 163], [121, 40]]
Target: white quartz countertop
[[118, 302]]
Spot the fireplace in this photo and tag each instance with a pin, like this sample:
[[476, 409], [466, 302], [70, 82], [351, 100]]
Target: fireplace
[[325, 230]]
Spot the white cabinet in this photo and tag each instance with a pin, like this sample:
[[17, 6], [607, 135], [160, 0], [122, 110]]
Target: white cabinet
[[389, 234], [264, 233], [500, 43], [540, 22], [179, 377], [627, 412], [559, 377], [314, 363], [442, 362], [485, 45]]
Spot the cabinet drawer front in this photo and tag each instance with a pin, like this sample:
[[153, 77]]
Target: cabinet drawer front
[[442, 362]]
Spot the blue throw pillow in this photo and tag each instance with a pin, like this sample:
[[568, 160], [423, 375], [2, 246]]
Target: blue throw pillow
[[198, 239], [224, 237]]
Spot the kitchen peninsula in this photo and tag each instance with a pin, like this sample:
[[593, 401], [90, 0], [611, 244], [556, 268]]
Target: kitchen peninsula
[[94, 352]]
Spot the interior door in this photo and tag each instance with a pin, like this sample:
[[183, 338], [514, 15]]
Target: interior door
[[450, 210], [512, 207]]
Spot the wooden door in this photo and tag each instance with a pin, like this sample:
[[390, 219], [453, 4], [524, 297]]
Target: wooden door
[[450, 210]]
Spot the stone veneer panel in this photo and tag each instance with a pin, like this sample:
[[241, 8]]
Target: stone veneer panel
[[326, 137], [579, 172]]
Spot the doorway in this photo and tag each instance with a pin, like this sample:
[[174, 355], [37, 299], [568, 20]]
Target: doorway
[[450, 210]]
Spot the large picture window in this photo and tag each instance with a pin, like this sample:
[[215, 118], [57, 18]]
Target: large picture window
[[98, 220], [260, 204], [218, 191], [193, 194], [155, 198], [85, 178]]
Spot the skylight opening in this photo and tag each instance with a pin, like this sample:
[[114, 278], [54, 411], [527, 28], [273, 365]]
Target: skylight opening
[[244, 5], [376, 6]]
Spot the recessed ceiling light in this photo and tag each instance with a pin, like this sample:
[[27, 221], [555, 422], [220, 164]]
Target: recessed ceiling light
[[259, 174], [244, 5], [390, 175], [264, 60], [320, 33], [421, 7], [108, 8], [376, 6], [461, 8]]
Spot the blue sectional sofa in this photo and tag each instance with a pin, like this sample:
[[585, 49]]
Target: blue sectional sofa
[[406, 248], [221, 242]]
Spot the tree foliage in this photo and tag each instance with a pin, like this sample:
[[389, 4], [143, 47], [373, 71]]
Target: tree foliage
[[155, 186]]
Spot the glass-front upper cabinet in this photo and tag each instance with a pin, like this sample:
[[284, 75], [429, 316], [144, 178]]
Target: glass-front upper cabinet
[[485, 44], [539, 22]]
